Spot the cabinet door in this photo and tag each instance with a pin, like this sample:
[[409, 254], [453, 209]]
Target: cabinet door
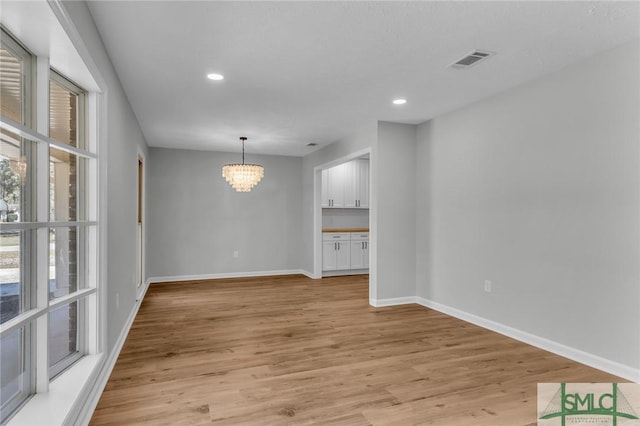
[[350, 184], [357, 257], [325, 188], [329, 255], [343, 255], [362, 183], [335, 185]]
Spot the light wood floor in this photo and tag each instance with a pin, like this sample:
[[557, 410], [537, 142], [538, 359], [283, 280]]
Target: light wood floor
[[291, 350]]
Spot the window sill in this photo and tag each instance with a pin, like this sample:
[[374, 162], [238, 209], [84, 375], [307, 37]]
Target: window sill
[[53, 407]]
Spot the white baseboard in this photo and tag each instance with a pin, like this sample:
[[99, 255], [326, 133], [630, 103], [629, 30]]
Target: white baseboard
[[574, 354], [379, 303], [85, 411], [345, 272], [612, 367], [201, 277], [309, 274]]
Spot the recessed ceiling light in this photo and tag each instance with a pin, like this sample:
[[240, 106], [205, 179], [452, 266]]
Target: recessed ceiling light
[[214, 76], [399, 101]]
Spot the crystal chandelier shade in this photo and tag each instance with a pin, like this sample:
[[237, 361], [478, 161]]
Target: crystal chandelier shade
[[243, 177]]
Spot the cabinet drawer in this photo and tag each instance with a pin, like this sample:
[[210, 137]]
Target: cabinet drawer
[[359, 236], [335, 236]]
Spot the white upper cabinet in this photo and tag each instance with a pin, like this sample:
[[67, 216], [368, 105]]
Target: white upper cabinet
[[362, 183], [333, 187], [346, 185]]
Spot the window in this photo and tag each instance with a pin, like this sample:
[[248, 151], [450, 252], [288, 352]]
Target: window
[[48, 228], [15, 344]]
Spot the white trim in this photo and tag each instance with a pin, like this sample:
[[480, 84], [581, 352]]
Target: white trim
[[70, 298], [344, 272], [574, 354], [141, 291], [603, 364], [141, 258], [379, 303], [77, 41], [317, 221], [21, 320], [27, 133], [175, 278], [37, 225], [83, 409], [309, 274], [52, 407]]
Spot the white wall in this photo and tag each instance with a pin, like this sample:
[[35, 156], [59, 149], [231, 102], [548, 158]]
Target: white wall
[[345, 218], [538, 190], [396, 210], [124, 138], [197, 220]]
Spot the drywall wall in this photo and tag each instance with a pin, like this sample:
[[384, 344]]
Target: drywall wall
[[120, 151], [345, 218], [537, 190], [396, 210], [198, 221]]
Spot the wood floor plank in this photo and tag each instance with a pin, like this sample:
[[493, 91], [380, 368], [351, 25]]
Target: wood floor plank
[[291, 350]]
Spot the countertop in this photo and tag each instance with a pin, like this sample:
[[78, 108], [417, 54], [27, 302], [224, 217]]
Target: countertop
[[345, 230]]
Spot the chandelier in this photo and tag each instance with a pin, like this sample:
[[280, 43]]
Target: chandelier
[[243, 177]]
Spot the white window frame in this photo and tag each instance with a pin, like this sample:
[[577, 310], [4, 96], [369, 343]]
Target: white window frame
[[81, 348], [34, 317]]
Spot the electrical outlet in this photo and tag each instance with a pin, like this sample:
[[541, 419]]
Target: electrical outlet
[[236, 254], [487, 286]]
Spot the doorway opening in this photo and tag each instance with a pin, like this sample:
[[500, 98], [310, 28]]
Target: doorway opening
[[140, 226], [344, 233]]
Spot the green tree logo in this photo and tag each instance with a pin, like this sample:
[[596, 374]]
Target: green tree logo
[[587, 404]]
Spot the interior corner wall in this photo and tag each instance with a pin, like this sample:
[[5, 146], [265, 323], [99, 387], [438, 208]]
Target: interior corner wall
[[198, 221], [120, 151], [538, 190], [395, 169]]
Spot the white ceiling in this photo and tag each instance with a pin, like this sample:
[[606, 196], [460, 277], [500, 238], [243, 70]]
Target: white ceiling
[[301, 72]]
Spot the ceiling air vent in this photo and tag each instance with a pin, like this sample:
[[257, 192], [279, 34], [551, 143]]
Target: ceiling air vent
[[471, 59]]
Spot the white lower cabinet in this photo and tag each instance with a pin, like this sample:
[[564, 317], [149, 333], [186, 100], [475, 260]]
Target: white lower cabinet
[[336, 254], [344, 251], [359, 250]]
